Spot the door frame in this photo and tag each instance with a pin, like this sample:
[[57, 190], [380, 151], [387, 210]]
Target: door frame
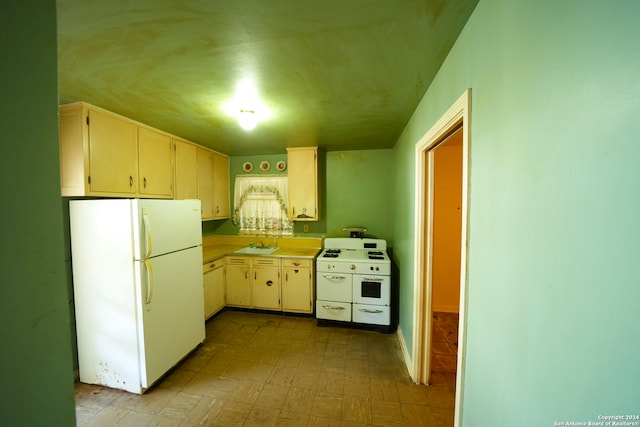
[[458, 113]]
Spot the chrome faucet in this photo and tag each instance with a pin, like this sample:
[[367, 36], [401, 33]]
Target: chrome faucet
[[260, 245]]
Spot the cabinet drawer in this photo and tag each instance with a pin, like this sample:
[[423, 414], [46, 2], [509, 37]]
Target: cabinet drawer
[[265, 261], [236, 260], [212, 265], [297, 263]]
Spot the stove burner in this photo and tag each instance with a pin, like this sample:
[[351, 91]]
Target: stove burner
[[375, 255], [330, 255]]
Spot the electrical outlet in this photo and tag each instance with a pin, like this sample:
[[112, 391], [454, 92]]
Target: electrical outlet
[[305, 228]]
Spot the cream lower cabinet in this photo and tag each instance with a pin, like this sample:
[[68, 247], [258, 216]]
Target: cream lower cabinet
[[253, 282], [214, 287], [297, 285], [237, 282], [265, 286]]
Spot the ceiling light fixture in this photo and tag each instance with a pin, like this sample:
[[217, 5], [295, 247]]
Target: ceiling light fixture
[[247, 119]]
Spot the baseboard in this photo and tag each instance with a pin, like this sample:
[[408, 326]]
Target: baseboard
[[446, 309], [405, 353]]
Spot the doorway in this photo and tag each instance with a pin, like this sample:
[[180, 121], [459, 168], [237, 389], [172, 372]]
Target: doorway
[[455, 122]]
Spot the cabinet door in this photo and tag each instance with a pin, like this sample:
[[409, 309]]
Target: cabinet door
[[266, 286], [303, 184], [296, 290], [237, 282], [154, 163], [220, 186], [204, 161], [214, 293], [186, 170], [297, 285], [113, 158]]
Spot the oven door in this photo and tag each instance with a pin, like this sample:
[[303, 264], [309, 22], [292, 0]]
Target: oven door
[[333, 286], [373, 290]]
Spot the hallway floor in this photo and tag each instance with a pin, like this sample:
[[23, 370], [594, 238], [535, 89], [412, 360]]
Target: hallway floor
[[272, 370]]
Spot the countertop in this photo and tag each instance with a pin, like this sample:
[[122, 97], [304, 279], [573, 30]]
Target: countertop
[[216, 247]]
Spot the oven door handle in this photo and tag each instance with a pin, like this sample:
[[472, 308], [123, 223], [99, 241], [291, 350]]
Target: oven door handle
[[332, 307], [366, 310], [331, 277]]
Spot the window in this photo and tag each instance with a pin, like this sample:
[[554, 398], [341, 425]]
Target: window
[[260, 205]]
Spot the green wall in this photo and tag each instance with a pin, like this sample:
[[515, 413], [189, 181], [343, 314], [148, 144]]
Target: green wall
[[355, 190], [359, 192], [553, 278], [36, 359]]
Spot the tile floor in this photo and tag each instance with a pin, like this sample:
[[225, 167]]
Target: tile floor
[[272, 370]]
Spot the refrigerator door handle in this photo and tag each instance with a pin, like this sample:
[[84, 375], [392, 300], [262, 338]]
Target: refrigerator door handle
[[147, 232], [147, 264]]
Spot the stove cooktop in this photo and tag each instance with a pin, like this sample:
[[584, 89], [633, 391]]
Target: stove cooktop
[[355, 250]]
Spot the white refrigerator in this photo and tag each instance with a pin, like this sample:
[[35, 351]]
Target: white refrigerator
[[138, 288]]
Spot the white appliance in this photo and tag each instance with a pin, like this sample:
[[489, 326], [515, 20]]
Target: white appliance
[[138, 288], [353, 281]]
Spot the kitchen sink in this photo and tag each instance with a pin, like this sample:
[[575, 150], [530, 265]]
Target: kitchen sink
[[256, 251]]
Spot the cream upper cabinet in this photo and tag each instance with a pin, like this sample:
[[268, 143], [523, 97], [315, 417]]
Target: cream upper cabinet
[[204, 161], [303, 183], [98, 152], [107, 155], [186, 170], [214, 292], [155, 167], [220, 186], [297, 285]]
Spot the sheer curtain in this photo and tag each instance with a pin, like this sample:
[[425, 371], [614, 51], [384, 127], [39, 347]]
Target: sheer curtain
[[260, 204]]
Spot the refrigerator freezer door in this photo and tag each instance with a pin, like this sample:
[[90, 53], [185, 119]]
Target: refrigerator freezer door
[[172, 310], [164, 226]]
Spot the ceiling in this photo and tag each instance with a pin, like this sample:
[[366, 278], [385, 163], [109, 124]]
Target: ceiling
[[339, 74]]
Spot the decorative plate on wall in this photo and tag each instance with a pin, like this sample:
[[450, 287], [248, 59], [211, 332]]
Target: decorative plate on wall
[[281, 165], [265, 166], [247, 166]]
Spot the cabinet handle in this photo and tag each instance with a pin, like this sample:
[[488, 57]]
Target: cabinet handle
[[145, 182], [296, 264], [269, 282], [130, 181], [364, 310], [246, 274]]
